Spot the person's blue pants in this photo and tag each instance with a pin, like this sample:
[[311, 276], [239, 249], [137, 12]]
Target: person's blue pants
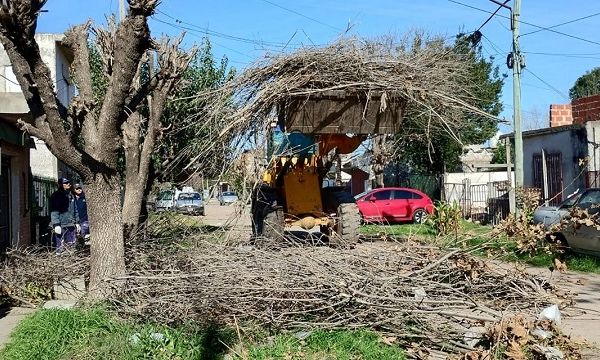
[[67, 238]]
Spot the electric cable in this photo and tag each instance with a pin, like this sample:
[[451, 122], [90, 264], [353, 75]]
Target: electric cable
[[561, 24], [528, 23]]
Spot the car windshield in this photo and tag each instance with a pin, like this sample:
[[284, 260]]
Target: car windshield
[[190, 196], [358, 196], [229, 193], [589, 199], [570, 201], [165, 195]]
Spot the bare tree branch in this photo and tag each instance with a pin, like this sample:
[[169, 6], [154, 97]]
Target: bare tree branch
[[82, 106], [132, 39]]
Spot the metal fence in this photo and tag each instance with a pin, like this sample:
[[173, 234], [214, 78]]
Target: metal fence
[[488, 203], [40, 220]]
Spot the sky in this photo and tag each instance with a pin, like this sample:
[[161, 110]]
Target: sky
[[246, 30]]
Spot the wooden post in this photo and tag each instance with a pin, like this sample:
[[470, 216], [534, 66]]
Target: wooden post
[[545, 178], [511, 188]]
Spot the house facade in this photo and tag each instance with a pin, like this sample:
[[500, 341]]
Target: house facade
[[22, 156], [560, 160]]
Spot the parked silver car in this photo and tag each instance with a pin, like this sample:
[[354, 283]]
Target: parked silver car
[[550, 215], [582, 239], [190, 203], [227, 198]]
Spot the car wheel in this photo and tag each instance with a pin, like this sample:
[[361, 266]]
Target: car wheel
[[559, 241], [420, 216]]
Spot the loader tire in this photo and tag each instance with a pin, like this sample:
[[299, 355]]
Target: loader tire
[[262, 199], [347, 227], [273, 224]]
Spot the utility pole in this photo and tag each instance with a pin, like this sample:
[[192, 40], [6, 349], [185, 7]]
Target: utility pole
[[121, 10], [517, 64]]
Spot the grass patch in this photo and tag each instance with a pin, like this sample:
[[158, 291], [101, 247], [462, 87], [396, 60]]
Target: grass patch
[[420, 230], [94, 334], [328, 345], [169, 224], [473, 234]]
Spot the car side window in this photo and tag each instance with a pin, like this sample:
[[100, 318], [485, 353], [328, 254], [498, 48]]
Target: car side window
[[382, 195], [416, 196], [402, 195]]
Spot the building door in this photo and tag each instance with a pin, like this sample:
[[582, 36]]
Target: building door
[[4, 204], [554, 180]]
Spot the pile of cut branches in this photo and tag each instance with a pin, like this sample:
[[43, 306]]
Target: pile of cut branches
[[429, 78], [418, 293], [29, 276]]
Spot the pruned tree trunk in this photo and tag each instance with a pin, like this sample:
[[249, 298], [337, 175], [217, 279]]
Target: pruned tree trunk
[[107, 245], [379, 159], [139, 144], [95, 128]]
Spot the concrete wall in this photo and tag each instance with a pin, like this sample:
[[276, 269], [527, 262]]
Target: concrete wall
[[476, 178], [43, 163], [570, 143], [57, 58]]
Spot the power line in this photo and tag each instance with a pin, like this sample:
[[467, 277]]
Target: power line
[[575, 56], [561, 24], [528, 23], [497, 48], [304, 16], [193, 33], [550, 86], [493, 14], [223, 35]]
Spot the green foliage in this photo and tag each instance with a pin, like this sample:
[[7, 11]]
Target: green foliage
[[447, 218], [499, 154], [440, 151], [586, 85], [99, 78], [324, 345], [93, 334], [183, 115]]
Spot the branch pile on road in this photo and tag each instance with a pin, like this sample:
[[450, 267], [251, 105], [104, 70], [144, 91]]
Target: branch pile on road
[[420, 295]]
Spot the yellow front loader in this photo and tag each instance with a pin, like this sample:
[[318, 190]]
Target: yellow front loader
[[300, 145]]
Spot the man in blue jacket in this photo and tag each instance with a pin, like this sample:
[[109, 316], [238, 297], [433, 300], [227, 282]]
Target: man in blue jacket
[[81, 204], [63, 215]]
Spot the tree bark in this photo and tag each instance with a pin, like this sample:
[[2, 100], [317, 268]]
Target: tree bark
[[379, 160], [107, 246]]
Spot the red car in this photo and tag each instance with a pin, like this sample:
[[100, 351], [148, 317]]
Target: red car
[[395, 205]]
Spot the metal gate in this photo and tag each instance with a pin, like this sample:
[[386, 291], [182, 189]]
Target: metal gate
[[554, 176], [487, 203], [42, 189]]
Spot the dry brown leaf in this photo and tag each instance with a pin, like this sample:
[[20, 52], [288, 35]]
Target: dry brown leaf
[[514, 351], [559, 265], [388, 340]]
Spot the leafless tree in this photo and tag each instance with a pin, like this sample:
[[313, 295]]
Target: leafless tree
[[88, 134]]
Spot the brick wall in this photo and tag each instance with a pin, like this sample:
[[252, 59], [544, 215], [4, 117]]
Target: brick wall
[[586, 109], [560, 115]]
